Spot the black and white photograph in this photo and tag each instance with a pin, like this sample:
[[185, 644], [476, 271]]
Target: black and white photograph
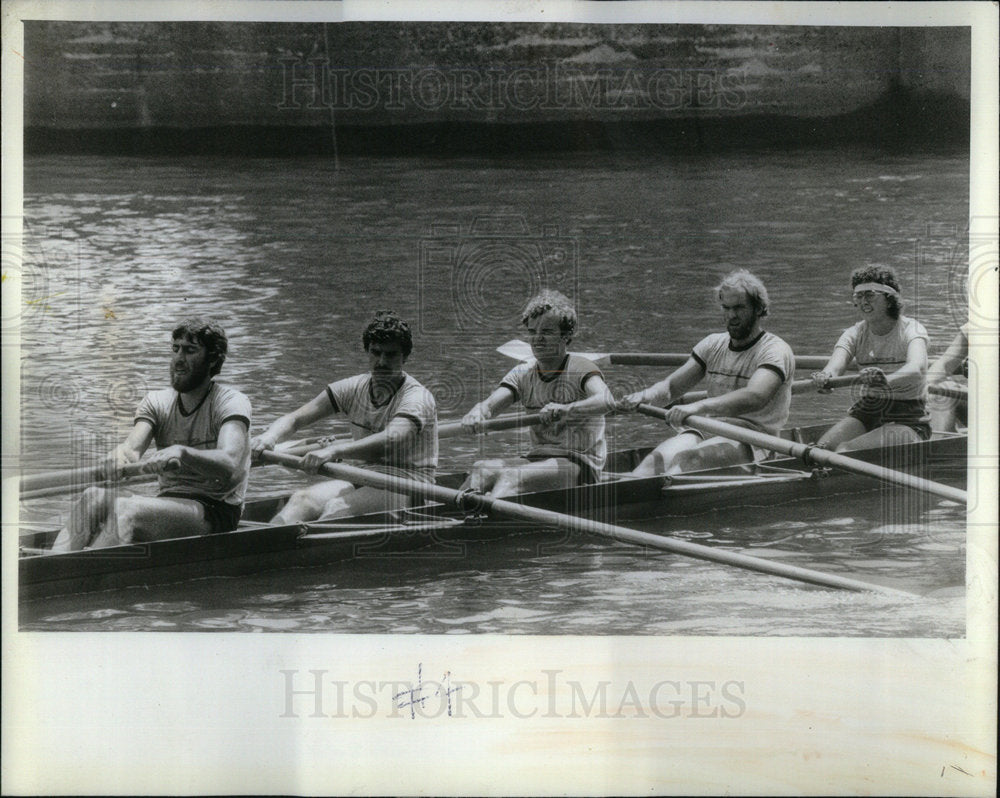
[[578, 399]]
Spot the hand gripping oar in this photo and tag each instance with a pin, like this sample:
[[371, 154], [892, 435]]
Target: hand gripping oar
[[72, 477], [813, 454], [521, 350], [49, 483], [547, 518]]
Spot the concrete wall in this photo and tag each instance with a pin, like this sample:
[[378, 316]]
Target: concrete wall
[[99, 75], [264, 88]]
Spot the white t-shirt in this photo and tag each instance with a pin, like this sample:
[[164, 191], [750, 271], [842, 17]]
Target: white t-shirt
[[887, 352], [198, 428], [352, 397], [728, 369], [581, 435]]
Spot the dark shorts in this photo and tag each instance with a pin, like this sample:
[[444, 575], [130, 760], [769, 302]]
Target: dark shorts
[[221, 516], [588, 474], [910, 413]]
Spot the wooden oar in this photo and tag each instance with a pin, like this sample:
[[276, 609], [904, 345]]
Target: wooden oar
[[548, 518], [512, 421], [807, 386], [72, 477], [812, 454], [951, 391], [447, 429], [521, 350], [50, 483]]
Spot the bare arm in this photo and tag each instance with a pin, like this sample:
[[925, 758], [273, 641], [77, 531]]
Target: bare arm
[[951, 361], [666, 390], [393, 443], [597, 402], [500, 399], [913, 370], [835, 366], [599, 399], [132, 448], [219, 465], [760, 389], [287, 425]]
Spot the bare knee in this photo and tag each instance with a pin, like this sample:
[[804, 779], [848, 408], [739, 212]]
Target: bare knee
[[301, 506], [507, 484], [483, 475], [651, 466], [126, 523], [682, 461], [93, 495]]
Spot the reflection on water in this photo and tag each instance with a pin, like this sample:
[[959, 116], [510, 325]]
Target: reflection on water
[[292, 257]]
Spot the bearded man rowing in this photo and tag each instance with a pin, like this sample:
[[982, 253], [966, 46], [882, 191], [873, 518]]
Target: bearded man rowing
[[202, 455], [748, 373]]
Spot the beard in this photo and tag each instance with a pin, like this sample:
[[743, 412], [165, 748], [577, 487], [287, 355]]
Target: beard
[[184, 381], [740, 330]]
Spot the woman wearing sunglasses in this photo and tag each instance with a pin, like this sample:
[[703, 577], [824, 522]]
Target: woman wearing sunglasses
[[891, 352]]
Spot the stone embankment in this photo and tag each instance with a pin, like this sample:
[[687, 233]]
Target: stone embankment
[[269, 87]]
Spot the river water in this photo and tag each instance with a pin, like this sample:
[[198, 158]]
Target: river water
[[294, 255]]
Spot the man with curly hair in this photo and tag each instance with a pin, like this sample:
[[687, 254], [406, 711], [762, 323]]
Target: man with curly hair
[[891, 352], [393, 424], [749, 375], [202, 454], [568, 391]]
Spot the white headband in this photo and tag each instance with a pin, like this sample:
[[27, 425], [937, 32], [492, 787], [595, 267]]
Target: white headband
[[880, 287]]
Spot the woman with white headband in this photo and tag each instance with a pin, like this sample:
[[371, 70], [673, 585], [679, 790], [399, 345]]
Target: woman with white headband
[[891, 352]]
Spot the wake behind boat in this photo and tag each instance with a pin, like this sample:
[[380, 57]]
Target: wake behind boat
[[430, 527]]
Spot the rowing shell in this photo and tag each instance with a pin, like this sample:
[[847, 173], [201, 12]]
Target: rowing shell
[[440, 530]]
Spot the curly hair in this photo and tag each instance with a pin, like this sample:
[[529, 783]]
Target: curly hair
[[886, 275], [387, 327], [209, 334], [751, 285], [547, 300]]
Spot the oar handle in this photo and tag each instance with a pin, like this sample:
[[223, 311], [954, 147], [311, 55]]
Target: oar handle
[[514, 421], [71, 477], [845, 380], [802, 362], [521, 350], [808, 453], [952, 391], [448, 429]]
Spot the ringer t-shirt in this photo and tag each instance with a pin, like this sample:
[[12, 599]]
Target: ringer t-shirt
[[887, 352], [198, 427], [352, 397], [728, 368], [581, 435]]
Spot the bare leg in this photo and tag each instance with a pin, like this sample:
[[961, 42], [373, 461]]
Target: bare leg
[[307, 504], [145, 518], [713, 453], [844, 430], [660, 459], [886, 435], [550, 474], [483, 475], [363, 500], [86, 519]]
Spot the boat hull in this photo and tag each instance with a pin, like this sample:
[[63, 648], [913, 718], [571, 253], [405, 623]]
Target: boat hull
[[438, 530]]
